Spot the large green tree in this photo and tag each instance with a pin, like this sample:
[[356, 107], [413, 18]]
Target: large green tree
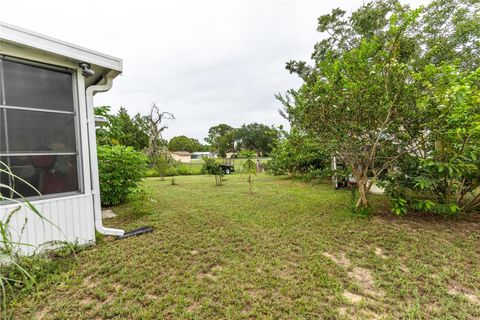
[[257, 137], [121, 129], [360, 97], [298, 153], [357, 98], [221, 139], [449, 30], [184, 143]]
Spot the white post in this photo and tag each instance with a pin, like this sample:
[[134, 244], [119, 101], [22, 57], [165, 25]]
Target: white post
[[334, 176]]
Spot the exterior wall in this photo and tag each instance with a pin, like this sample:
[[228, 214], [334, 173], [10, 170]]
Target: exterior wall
[[71, 219], [72, 216], [183, 159], [375, 189], [200, 155]]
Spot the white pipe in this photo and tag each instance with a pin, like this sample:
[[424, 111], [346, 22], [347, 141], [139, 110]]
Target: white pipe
[[93, 156], [334, 176]]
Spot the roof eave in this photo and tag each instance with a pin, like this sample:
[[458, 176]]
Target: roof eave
[[35, 40]]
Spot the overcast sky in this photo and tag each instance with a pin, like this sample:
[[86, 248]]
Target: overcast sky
[[207, 62]]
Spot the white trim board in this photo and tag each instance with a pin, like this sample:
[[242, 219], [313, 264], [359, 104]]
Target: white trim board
[[32, 39]]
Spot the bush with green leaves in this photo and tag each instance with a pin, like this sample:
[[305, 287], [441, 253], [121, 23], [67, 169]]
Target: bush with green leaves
[[121, 170], [121, 129], [298, 155], [164, 164], [446, 178], [213, 167]]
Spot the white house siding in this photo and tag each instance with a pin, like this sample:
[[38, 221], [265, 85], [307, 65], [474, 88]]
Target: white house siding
[[71, 216], [71, 219], [183, 158]]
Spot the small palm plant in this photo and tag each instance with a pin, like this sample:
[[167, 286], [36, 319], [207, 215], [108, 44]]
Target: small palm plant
[[249, 166]]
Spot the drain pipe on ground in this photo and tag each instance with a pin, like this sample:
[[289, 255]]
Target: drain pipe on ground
[[89, 92]]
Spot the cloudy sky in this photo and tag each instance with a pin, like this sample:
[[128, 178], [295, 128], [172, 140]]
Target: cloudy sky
[[207, 62]]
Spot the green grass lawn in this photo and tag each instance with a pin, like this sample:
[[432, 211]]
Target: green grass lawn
[[291, 250]]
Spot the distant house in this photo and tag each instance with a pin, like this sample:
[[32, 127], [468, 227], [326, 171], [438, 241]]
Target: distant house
[[200, 155], [182, 156]]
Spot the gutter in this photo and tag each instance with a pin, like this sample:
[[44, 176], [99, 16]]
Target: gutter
[[89, 92]]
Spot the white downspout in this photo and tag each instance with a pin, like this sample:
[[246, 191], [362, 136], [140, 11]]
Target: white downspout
[[93, 156]]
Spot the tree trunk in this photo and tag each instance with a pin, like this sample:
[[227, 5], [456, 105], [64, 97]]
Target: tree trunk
[[363, 192], [250, 183], [218, 180], [258, 162]]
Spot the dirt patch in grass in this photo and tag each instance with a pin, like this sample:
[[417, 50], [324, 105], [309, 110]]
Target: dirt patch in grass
[[379, 253], [212, 274], [256, 293], [87, 300], [457, 289], [193, 307], [216, 268], [342, 311], [340, 259], [152, 296], [246, 310], [364, 279], [42, 313], [89, 282], [206, 275], [352, 297]]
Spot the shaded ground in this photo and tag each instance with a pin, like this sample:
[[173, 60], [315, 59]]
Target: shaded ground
[[291, 250]]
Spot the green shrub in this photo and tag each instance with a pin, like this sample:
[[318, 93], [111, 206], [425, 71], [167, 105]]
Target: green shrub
[[443, 175], [212, 167], [298, 155], [151, 172], [184, 169], [120, 170], [164, 164]]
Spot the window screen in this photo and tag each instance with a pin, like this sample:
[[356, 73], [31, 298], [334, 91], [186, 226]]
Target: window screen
[[37, 130], [33, 131], [35, 87], [40, 174]]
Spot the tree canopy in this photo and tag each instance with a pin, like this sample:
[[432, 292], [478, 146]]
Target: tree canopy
[[360, 98], [221, 139], [122, 129], [257, 137], [184, 143]]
